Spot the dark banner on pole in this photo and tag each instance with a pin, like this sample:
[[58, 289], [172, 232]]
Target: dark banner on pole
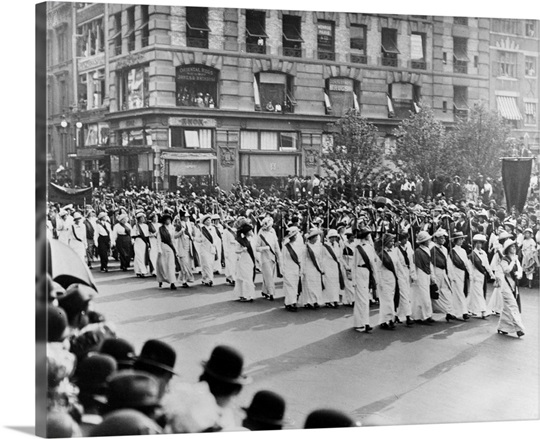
[[64, 195], [516, 175]]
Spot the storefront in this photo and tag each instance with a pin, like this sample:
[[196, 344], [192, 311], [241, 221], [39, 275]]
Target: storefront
[[188, 171]]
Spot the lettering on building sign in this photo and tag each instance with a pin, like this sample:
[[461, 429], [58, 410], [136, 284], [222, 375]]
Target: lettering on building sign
[[196, 73], [130, 123], [337, 84], [192, 122], [130, 60], [90, 63]]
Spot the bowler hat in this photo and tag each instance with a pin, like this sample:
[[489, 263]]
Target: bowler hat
[[75, 300], [328, 418], [156, 357], [266, 408], [125, 423], [61, 424], [225, 364], [92, 373], [57, 323], [132, 389], [121, 350]]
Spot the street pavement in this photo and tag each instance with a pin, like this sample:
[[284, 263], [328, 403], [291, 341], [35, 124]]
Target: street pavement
[[445, 373]]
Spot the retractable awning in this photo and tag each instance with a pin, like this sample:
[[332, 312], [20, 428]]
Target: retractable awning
[[530, 108], [508, 108]]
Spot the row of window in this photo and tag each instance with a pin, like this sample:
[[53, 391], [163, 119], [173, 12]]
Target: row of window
[[514, 27]]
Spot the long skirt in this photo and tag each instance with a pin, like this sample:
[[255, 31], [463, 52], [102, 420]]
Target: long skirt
[[459, 301], [166, 268], [79, 248], [291, 279], [139, 261], [475, 300], [123, 245], [495, 303], [361, 298], [230, 265], [207, 265], [404, 307], [420, 299], [444, 304], [510, 319], [268, 269], [153, 252], [104, 246], [386, 290], [311, 287]]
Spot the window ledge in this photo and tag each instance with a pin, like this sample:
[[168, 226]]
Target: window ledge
[[507, 78]]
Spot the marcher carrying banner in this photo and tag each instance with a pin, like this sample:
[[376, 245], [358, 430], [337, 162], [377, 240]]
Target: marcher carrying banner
[[516, 176]]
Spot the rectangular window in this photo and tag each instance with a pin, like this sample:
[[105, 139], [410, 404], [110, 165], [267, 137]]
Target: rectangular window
[[133, 88], [61, 38], [325, 40], [131, 28], [505, 26], [117, 37], [82, 88], [461, 107], [256, 31], [460, 55], [191, 138], [269, 140], [342, 95], [275, 92], [90, 38], [196, 86], [292, 36], [530, 66], [197, 27], [404, 98], [63, 95], [135, 137], [530, 113], [418, 50], [358, 44], [463, 21], [98, 87], [389, 50], [507, 64], [530, 28], [144, 27]]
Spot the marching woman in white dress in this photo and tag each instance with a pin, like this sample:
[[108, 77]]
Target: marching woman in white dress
[[142, 264], [312, 271], [347, 260], [495, 304], [270, 257], [167, 261], [405, 273], [510, 319], [480, 269], [420, 289], [333, 276], [460, 268], [77, 236], [153, 226], [229, 250], [388, 287], [529, 250], [439, 259], [292, 267], [245, 263], [205, 237]]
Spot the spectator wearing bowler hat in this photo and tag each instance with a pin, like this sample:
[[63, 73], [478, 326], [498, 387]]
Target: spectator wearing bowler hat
[[76, 302], [129, 389], [157, 358], [224, 374], [266, 412], [124, 423], [61, 424], [91, 377], [329, 418], [121, 350], [57, 324]]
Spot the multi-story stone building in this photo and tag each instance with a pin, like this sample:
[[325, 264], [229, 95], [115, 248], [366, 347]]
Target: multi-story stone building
[[165, 92]]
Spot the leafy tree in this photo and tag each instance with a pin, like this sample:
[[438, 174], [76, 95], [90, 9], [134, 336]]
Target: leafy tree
[[421, 145], [357, 151], [479, 141]]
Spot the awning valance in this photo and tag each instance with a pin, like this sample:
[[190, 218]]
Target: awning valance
[[508, 108]]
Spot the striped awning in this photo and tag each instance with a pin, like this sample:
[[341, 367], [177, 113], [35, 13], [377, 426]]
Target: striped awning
[[508, 108], [530, 108]]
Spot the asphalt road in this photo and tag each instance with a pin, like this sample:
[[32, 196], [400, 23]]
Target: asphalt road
[[449, 372]]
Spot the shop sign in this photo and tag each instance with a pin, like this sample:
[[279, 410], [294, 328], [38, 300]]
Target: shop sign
[[196, 73], [192, 122], [130, 60], [91, 63], [341, 84], [137, 122]]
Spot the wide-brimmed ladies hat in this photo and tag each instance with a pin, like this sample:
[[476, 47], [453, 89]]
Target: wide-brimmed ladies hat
[[479, 238], [507, 244], [77, 216], [528, 229], [332, 233], [205, 217], [102, 215], [439, 233], [313, 232], [292, 231], [422, 237], [122, 217], [504, 235], [457, 235], [267, 222]]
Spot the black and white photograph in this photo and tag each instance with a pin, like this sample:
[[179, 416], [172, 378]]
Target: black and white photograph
[[285, 219]]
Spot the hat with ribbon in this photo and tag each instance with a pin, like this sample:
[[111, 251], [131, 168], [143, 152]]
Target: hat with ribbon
[[226, 364]]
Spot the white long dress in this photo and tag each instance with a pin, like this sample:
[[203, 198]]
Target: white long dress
[[459, 301], [331, 291], [244, 284], [444, 303], [139, 247], [510, 319], [291, 271], [311, 277], [154, 246], [229, 249], [420, 298], [166, 267], [386, 289], [475, 300]]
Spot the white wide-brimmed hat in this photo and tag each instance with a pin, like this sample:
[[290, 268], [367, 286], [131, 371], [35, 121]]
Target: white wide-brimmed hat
[[423, 237], [440, 232], [507, 245], [313, 232], [332, 233], [479, 237]]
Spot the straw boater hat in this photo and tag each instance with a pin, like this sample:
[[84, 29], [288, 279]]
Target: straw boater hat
[[77, 216], [422, 237], [205, 217], [479, 237], [215, 216], [507, 245], [102, 215], [457, 235]]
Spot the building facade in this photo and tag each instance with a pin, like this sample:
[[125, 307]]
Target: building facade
[[165, 93]]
